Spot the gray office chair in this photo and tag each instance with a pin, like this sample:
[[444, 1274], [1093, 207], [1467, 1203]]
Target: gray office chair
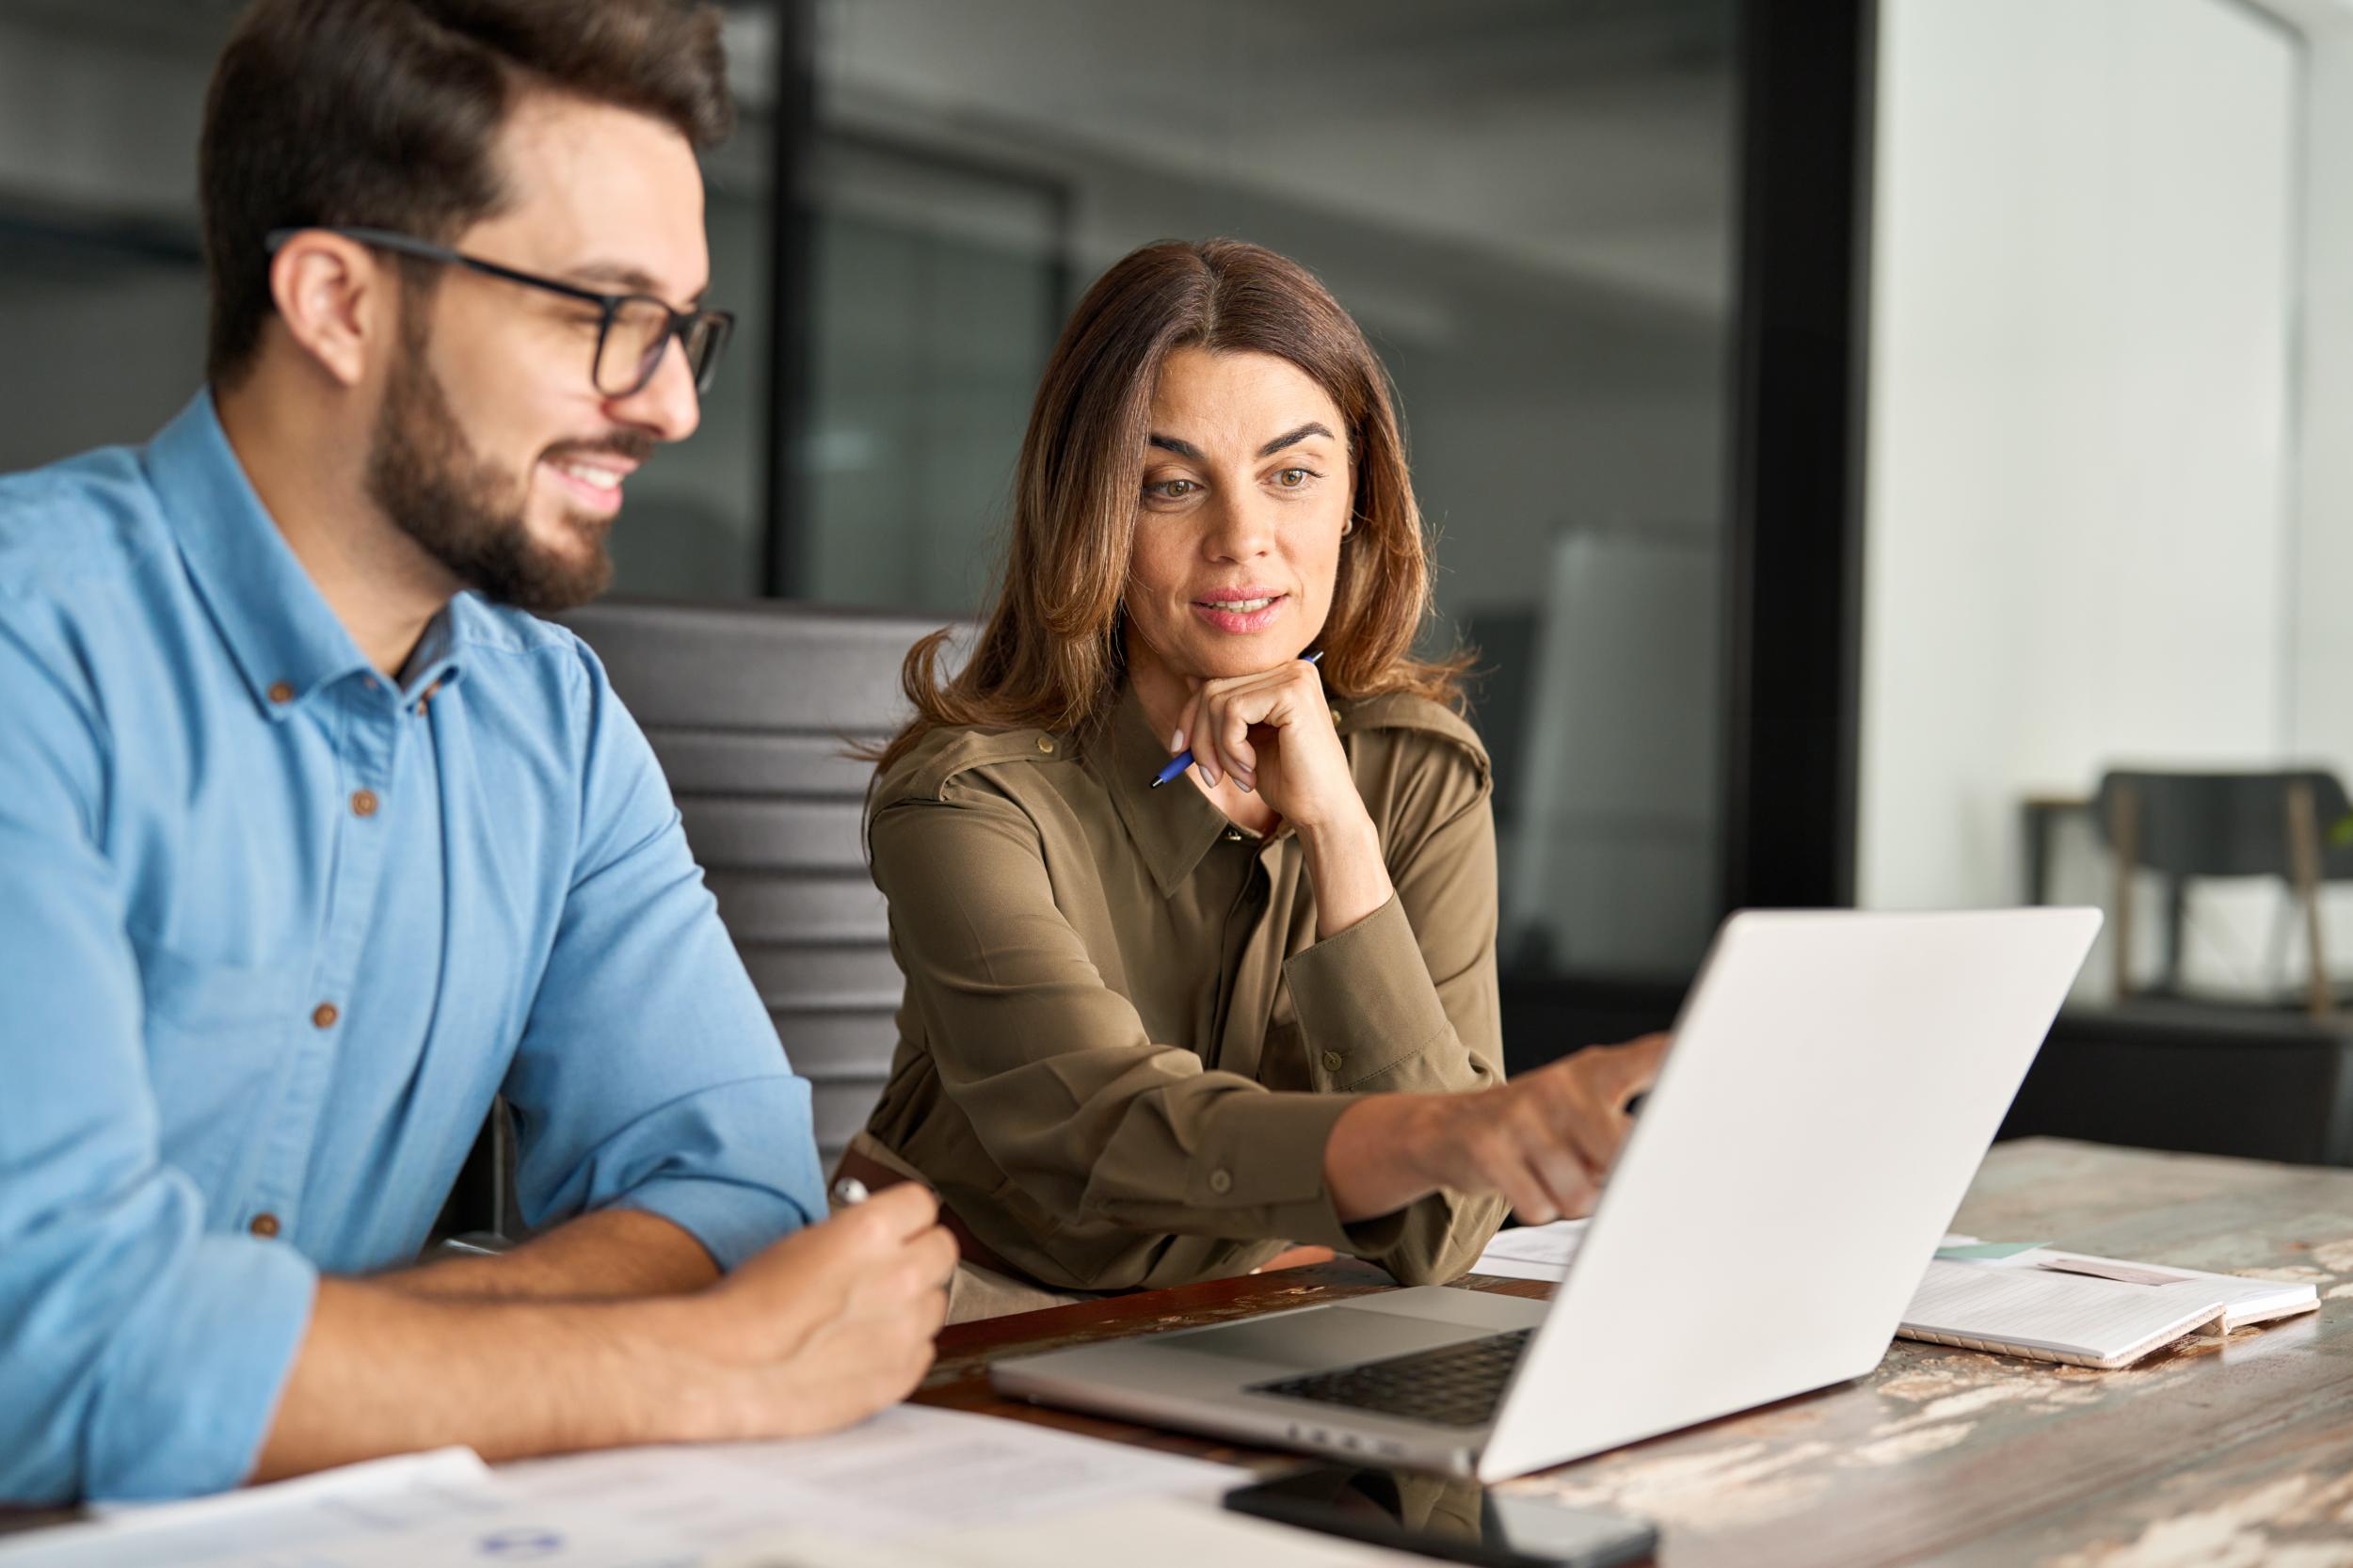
[[2184, 825], [749, 707]]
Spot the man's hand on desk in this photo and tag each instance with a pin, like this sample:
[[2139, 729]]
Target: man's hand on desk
[[1544, 1140], [820, 1330]]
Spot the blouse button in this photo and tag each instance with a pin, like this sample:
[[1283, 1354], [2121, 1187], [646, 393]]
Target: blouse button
[[324, 1014], [1233, 835], [1046, 744], [1221, 1181], [263, 1225], [280, 693], [363, 802], [1333, 1061]]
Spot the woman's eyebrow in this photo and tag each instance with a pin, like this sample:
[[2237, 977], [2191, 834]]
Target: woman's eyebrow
[[1293, 437], [1170, 443]]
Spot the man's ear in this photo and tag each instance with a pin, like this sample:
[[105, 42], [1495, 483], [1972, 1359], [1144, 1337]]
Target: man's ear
[[336, 299]]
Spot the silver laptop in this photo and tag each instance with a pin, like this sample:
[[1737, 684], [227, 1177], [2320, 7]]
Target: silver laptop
[[1835, 1078]]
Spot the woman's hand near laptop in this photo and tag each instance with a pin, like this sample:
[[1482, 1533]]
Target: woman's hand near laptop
[[1544, 1140]]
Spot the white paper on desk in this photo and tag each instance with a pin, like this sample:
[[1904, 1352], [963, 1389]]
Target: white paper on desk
[[262, 1527], [1532, 1252], [2071, 1314], [908, 1470], [911, 1470], [1149, 1532], [2244, 1301]]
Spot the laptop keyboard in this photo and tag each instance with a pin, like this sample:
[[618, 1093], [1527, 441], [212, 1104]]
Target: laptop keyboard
[[1454, 1385]]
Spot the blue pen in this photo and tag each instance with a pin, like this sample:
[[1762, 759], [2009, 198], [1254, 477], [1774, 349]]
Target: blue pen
[[1183, 760]]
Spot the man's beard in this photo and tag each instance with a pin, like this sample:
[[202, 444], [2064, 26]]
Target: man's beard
[[429, 480]]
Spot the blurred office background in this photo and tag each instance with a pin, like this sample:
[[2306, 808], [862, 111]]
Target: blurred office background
[[1852, 431]]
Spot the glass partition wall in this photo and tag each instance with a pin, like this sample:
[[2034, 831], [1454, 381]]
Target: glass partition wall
[[1545, 212], [1531, 208]]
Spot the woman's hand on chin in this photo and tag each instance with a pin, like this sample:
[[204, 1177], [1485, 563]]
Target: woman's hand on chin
[[1271, 733]]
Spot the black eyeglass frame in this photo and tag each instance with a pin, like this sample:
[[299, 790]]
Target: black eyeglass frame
[[681, 323]]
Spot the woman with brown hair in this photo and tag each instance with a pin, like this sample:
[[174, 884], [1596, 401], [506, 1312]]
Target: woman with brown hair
[[1155, 1034]]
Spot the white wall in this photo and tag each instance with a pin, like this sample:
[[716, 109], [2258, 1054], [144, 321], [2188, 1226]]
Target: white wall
[[2323, 675], [2078, 543]]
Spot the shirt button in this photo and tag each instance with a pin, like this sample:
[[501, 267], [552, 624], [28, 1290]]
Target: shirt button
[[324, 1014], [1333, 1061], [1221, 1181], [1046, 744], [363, 802], [1233, 835], [263, 1225], [279, 692]]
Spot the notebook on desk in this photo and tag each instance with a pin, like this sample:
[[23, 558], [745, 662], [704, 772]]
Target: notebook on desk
[[2019, 1299], [2087, 1311]]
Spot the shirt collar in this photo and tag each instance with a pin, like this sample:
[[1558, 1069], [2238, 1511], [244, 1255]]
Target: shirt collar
[[1172, 826], [433, 664], [285, 638]]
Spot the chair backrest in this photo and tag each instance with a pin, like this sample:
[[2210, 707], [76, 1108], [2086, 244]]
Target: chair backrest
[[2212, 823], [749, 707]]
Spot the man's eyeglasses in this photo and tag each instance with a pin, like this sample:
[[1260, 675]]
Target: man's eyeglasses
[[630, 338]]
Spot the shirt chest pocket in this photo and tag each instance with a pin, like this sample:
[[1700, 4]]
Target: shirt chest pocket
[[217, 1036]]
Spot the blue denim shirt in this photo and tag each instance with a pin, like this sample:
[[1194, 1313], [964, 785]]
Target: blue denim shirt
[[273, 931]]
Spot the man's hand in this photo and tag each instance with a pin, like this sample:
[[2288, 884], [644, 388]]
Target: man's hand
[[1545, 1141], [831, 1323], [823, 1328]]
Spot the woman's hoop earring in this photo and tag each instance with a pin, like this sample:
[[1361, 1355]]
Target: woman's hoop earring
[[1346, 528]]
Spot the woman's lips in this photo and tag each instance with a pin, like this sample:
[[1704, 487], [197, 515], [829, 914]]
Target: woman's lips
[[1221, 613]]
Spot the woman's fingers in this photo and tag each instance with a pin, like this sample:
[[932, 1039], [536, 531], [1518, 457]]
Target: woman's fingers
[[1584, 1113], [1221, 713], [1271, 698], [1633, 1067], [1509, 1175], [1237, 713], [1189, 726], [1211, 742], [1569, 1181], [1532, 1118]]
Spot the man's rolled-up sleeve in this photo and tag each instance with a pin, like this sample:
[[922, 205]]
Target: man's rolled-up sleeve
[[139, 1357], [649, 1075]]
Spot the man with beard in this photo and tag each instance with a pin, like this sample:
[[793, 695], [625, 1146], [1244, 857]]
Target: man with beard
[[313, 839]]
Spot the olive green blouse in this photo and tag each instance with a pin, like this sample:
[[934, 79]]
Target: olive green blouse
[[1122, 1046]]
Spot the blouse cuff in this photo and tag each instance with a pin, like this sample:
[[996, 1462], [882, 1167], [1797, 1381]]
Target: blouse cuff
[[1365, 1000]]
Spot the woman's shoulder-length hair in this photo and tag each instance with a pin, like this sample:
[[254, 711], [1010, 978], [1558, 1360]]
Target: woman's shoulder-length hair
[[1049, 652]]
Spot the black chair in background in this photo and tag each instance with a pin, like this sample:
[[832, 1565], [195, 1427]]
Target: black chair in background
[[2168, 1070], [2188, 826], [750, 709]]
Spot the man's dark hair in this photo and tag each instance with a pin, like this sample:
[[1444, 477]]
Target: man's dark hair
[[384, 112]]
